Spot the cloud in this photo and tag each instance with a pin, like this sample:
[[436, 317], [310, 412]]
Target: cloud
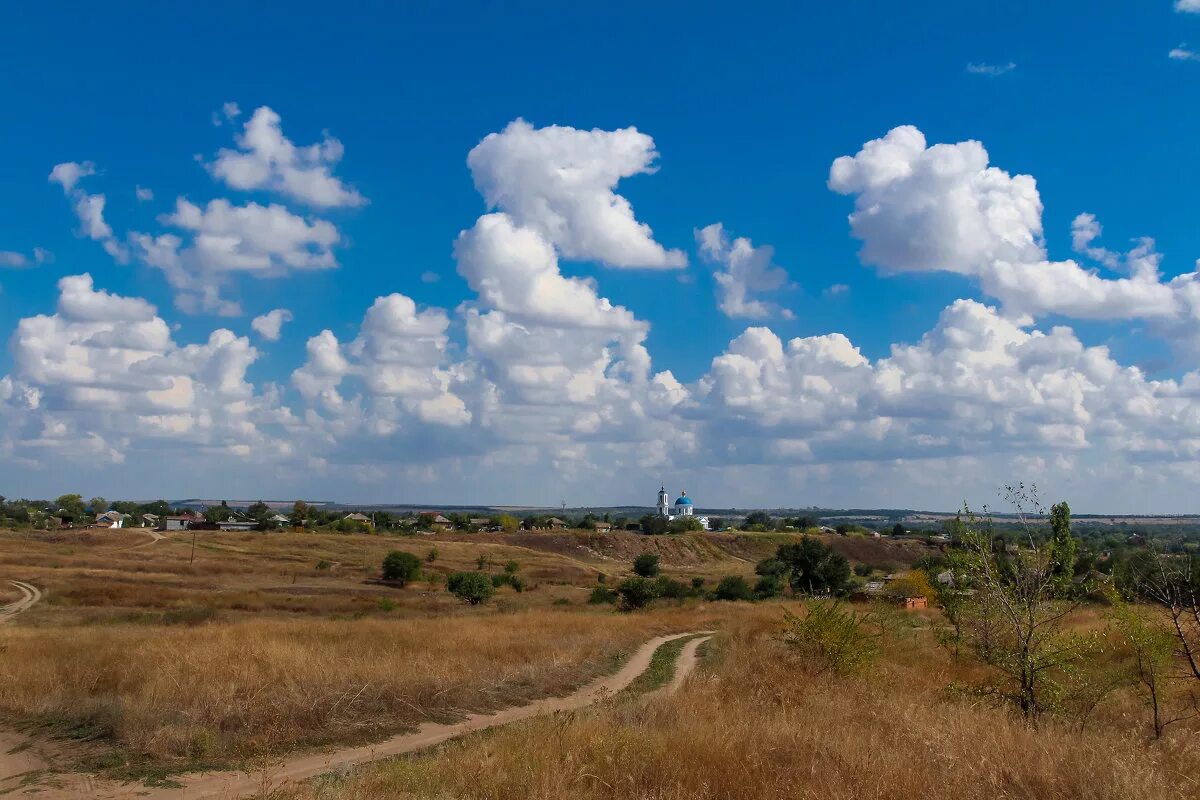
[[13, 260], [268, 160], [429, 276], [102, 377], [990, 70], [228, 113], [836, 290], [143, 194], [746, 271], [89, 208], [221, 240], [560, 181], [1183, 53], [943, 207], [1188, 6], [269, 325]]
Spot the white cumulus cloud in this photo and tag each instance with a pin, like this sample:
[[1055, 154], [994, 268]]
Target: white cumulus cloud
[[270, 325], [746, 271]]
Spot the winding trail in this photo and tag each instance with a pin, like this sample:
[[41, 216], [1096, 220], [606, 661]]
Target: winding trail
[[228, 785], [688, 659], [30, 595]]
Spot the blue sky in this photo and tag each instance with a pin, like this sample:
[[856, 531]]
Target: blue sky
[[747, 110]]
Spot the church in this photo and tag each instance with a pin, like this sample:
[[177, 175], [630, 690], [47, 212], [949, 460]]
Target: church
[[683, 507]]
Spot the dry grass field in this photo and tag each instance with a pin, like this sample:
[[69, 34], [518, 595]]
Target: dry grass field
[[150, 662], [755, 723]]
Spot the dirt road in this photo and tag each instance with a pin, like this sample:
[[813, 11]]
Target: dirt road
[[228, 785], [30, 594], [688, 659]]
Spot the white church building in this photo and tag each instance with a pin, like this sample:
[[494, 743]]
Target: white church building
[[683, 507]]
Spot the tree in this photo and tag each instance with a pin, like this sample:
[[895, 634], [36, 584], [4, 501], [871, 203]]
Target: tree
[[914, 584], [734, 587], [1151, 649], [71, 505], [98, 505], [815, 568], [508, 523], [653, 524], [1173, 582], [299, 513], [1062, 548], [1015, 621], [636, 592], [716, 524], [471, 587], [898, 529], [759, 520], [685, 524], [646, 565], [401, 567]]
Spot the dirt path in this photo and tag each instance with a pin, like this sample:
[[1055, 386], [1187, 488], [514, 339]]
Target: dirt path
[[30, 594], [230, 785], [155, 537], [688, 659]]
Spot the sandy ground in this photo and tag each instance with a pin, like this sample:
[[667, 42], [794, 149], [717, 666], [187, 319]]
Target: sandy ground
[[30, 594], [238, 784]]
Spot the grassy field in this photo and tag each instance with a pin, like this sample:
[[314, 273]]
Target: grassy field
[[755, 723]]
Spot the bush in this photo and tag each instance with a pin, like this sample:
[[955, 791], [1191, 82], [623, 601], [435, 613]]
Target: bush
[[432, 555], [636, 593], [862, 570], [646, 565], [734, 587], [831, 637], [815, 568], [669, 587], [511, 567], [602, 595], [400, 567], [697, 584], [471, 587], [768, 586]]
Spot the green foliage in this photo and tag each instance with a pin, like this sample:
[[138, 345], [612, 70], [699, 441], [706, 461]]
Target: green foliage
[[771, 567], [601, 595], [653, 524], [401, 567], [815, 568], [470, 587], [685, 524], [511, 567], [646, 565], [324, 565], [98, 505], [670, 588], [862, 570], [832, 637], [431, 556], [734, 587], [768, 586], [637, 592], [759, 518], [1062, 548]]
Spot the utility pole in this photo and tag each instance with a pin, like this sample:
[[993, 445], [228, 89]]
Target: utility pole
[[192, 560]]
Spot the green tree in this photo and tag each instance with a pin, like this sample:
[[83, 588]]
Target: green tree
[[898, 529], [401, 567], [653, 524], [1062, 548], [646, 565], [636, 592], [71, 505], [759, 520], [685, 524], [815, 568], [470, 587], [98, 505], [734, 587]]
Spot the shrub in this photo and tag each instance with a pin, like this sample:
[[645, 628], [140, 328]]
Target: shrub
[[697, 584], [400, 567], [636, 593], [734, 587], [601, 595], [815, 568], [669, 587], [511, 567], [432, 555], [471, 587], [771, 567], [862, 570], [324, 565], [768, 586], [646, 565], [831, 637]]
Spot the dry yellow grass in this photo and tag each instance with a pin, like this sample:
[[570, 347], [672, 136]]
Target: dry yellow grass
[[260, 687], [754, 725]]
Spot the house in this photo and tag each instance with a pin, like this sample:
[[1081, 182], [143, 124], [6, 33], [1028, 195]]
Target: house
[[180, 522], [555, 523], [602, 527], [279, 521], [911, 603], [357, 517], [827, 529], [149, 520], [110, 519], [435, 521], [232, 524], [479, 522], [945, 578]]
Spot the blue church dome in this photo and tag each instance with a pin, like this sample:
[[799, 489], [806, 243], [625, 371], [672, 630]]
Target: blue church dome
[[683, 500]]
